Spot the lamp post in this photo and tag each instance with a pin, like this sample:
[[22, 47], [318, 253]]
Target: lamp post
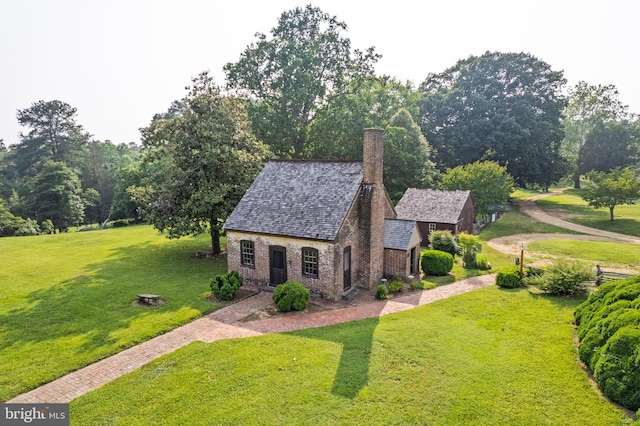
[[521, 260]]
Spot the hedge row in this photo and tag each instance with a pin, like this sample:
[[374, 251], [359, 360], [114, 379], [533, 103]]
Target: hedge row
[[609, 332]]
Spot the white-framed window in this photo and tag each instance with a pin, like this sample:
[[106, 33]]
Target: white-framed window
[[432, 227], [247, 253], [310, 262]]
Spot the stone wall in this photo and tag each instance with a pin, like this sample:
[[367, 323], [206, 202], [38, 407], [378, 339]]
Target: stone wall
[[324, 285]]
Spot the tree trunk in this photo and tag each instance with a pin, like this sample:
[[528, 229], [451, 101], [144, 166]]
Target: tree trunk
[[215, 242], [611, 212], [576, 181]]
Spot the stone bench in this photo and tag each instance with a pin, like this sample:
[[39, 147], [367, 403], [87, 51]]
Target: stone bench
[[149, 299]]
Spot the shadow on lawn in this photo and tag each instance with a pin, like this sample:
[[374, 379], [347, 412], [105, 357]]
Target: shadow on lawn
[[352, 374], [93, 312]]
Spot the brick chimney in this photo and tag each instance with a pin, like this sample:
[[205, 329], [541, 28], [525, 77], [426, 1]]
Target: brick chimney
[[372, 155], [372, 207]]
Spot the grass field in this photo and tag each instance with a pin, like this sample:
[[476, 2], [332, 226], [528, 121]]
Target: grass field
[[490, 357], [66, 300], [574, 209], [615, 255]]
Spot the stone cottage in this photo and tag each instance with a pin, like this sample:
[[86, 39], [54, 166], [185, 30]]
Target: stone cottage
[[436, 210], [329, 225]]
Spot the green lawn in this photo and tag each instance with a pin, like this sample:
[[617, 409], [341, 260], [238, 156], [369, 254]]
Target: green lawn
[[604, 253], [66, 300], [626, 217], [490, 357]]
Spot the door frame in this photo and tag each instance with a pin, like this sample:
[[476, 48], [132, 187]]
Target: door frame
[[273, 270]]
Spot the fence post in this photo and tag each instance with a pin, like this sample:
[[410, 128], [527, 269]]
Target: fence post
[[598, 275]]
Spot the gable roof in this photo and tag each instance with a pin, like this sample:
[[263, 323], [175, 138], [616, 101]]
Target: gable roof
[[304, 199], [398, 233], [432, 205]]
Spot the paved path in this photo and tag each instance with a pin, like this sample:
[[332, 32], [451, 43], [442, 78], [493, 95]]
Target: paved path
[[224, 324], [530, 207]]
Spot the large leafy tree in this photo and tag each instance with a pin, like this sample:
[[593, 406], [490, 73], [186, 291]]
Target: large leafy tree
[[53, 134], [56, 194], [406, 156], [199, 163], [503, 107], [489, 182], [609, 145], [619, 186], [588, 107], [296, 72], [336, 130]]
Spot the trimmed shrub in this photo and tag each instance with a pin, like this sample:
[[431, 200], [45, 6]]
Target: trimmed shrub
[[509, 278], [381, 292], [225, 287], [444, 241], [436, 262], [291, 296], [46, 227], [563, 279], [609, 332]]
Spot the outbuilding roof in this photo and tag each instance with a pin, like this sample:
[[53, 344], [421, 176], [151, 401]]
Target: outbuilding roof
[[398, 233], [303, 199], [432, 205]]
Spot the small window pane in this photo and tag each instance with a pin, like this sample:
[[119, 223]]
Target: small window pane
[[310, 262], [247, 253]]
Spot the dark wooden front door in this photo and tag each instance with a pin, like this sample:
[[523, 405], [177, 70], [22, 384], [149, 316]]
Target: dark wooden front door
[[346, 266], [278, 262]]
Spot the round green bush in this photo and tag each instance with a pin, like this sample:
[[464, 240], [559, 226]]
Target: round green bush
[[225, 287], [482, 262], [509, 278], [443, 240], [291, 296], [382, 292], [436, 262]]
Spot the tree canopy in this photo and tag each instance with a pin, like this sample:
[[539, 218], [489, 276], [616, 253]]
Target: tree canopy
[[619, 186], [609, 145], [296, 72], [503, 107], [406, 156], [588, 107], [199, 163], [490, 184]]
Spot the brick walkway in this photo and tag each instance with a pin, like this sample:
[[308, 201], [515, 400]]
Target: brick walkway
[[224, 324]]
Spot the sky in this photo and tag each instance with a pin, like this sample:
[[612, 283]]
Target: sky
[[121, 61]]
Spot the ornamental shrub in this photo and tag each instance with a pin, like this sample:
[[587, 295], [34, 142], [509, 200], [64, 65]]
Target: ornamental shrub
[[225, 287], [609, 332], [563, 279], [382, 293], [509, 278], [436, 262], [444, 241], [482, 262], [291, 296], [396, 285]]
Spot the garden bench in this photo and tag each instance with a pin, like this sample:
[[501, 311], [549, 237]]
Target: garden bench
[[149, 299]]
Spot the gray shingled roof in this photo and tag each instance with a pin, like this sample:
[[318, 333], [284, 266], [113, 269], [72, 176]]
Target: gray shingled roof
[[397, 233], [304, 199], [432, 205]]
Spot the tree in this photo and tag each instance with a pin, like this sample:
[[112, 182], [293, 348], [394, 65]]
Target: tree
[[503, 107], [99, 171], [617, 187], [199, 163], [336, 131], [406, 156], [56, 194], [297, 72], [490, 184], [588, 106], [470, 245], [609, 145], [54, 135]]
